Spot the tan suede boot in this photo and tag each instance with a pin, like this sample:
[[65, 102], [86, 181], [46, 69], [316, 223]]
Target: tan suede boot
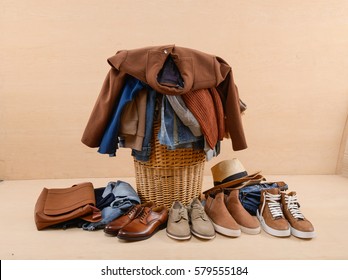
[[248, 224], [270, 214], [222, 220], [300, 226]]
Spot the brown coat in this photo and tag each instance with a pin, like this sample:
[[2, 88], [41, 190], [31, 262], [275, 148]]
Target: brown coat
[[198, 70]]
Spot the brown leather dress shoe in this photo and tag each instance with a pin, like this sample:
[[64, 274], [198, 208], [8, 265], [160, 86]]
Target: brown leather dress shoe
[[148, 222], [113, 227]]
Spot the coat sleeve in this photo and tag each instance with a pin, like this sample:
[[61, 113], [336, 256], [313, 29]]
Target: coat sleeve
[[232, 108], [103, 108]]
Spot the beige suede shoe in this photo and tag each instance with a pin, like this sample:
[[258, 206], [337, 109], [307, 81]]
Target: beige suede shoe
[[270, 213], [201, 225], [178, 222], [222, 220], [248, 224], [299, 225]]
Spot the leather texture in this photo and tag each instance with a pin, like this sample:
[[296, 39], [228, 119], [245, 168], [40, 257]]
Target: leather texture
[[148, 222], [114, 227], [58, 205]]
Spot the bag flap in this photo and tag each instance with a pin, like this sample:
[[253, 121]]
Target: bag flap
[[60, 201]]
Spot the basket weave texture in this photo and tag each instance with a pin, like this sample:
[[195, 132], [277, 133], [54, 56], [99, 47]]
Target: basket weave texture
[[169, 175]]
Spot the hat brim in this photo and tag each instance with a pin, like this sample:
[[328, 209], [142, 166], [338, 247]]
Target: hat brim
[[252, 179], [255, 181]]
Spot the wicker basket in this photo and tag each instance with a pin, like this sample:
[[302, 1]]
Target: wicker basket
[[169, 175]]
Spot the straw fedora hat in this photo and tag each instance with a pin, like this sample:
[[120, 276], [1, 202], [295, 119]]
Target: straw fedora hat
[[232, 174]]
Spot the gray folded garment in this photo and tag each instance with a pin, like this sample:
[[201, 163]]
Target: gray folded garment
[[184, 114]]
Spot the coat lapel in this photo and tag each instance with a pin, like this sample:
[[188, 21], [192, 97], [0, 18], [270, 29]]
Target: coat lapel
[[154, 64]]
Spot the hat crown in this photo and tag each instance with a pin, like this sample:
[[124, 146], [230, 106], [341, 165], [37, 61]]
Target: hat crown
[[228, 168]]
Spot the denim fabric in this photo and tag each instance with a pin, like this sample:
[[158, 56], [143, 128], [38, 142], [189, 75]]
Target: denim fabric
[[109, 142], [210, 153], [184, 114], [144, 155], [124, 198], [173, 133], [101, 200], [250, 196]]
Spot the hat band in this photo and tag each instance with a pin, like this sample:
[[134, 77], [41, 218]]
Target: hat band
[[231, 178]]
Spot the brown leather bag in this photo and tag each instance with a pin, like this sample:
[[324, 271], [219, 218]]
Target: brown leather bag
[[55, 206]]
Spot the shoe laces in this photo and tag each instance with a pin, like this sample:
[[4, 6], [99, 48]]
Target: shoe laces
[[273, 201], [131, 211], [181, 214], [143, 214], [293, 206], [199, 213]]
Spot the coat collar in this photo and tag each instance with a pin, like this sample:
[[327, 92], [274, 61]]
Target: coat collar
[[155, 62], [146, 63]]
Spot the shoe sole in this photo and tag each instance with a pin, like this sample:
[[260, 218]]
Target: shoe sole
[[302, 234], [209, 237], [178, 237], [110, 233], [252, 231], [227, 231], [272, 231]]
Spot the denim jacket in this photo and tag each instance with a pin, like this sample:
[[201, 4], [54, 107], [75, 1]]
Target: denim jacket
[[173, 133]]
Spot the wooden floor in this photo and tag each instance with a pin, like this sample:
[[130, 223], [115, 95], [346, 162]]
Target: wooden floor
[[323, 198]]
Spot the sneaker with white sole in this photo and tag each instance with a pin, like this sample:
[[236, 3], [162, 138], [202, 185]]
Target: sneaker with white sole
[[222, 220], [270, 213], [299, 225], [248, 223]]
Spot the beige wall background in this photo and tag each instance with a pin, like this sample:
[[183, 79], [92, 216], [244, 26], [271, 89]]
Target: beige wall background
[[290, 62]]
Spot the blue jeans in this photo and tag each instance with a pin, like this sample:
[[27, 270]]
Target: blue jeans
[[125, 197], [210, 153], [173, 133], [250, 196], [144, 155]]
